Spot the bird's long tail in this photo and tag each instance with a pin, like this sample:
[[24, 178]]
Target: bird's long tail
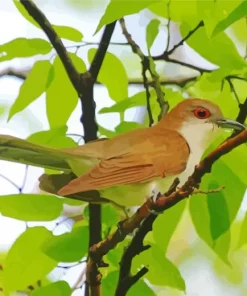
[[21, 151]]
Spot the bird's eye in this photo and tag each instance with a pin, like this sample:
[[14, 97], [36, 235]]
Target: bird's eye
[[202, 113]]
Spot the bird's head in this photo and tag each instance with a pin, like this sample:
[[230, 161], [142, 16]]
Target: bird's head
[[199, 119]]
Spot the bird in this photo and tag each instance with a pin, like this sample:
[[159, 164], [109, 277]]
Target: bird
[[130, 167]]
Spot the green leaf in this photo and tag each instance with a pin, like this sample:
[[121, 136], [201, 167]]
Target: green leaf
[[239, 12], [177, 10], [61, 93], [151, 33], [126, 126], [141, 288], [170, 218], [110, 216], [218, 212], [162, 272], [211, 49], [116, 9], [23, 47], [60, 288], [32, 88], [31, 207], [234, 158], [138, 99], [68, 247], [25, 261], [205, 214], [62, 31], [117, 83], [105, 132], [69, 33], [243, 233], [53, 138]]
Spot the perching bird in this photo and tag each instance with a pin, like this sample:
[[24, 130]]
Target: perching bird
[[128, 168]]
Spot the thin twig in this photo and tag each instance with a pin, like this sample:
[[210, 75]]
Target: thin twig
[[233, 90], [146, 86], [147, 60], [168, 26]]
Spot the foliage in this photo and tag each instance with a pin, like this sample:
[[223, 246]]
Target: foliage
[[37, 251]]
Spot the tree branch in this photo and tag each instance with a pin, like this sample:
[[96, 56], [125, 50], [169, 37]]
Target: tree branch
[[83, 84], [44, 23], [146, 61], [144, 215], [93, 277], [179, 81]]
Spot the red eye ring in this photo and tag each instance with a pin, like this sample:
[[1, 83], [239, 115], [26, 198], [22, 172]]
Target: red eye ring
[[202, 113]]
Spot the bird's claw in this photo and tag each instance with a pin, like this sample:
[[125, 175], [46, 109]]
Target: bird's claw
[[155, 196]]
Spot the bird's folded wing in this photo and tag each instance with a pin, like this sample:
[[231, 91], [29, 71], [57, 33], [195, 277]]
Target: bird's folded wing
[[160, 155]]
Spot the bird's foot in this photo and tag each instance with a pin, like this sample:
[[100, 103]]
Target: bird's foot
[[156, 195]]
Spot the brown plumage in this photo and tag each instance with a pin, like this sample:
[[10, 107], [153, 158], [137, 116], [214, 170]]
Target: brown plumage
[[147, 156], [135, 157]]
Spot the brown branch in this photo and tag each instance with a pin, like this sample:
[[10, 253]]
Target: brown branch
[[93, 280], [143, 214], [179, 81], [146, 60], [58, 45]]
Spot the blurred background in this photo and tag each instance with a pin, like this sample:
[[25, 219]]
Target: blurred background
[[203, 272]]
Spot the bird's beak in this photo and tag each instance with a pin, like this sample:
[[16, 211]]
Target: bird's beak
[[232, 124]]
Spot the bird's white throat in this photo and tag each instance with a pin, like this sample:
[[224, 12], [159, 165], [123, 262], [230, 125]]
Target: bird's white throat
[[199, 137]]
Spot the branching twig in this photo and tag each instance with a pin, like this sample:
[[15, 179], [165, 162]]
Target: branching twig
[[169, 52], [145, 60]]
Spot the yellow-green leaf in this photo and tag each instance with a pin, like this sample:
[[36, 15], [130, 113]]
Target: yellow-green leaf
[[53, 138], [60, 288], [239, 12], [68, 247], [113, 75], [33, 87], [151, 32], [61, 97], [211, 224], [25, 261], [243, 233], [161, 271], [23, 47], [170, 218], [119, 8], [62, 31], [68, 33], [31, 207], [211, 49]]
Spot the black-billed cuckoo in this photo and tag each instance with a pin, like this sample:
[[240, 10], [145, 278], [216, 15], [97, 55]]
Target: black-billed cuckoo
[[130, 167]]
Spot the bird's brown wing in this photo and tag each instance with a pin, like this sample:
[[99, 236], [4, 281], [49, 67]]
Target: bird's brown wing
[[146, 156]]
